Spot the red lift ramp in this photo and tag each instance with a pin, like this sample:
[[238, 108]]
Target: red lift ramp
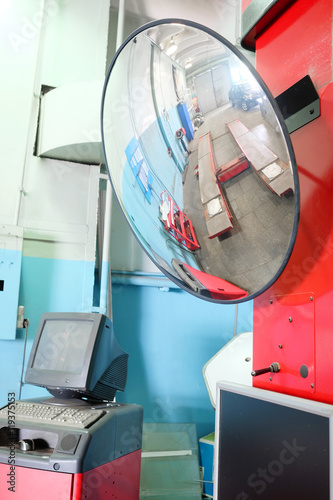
[[177, 224], [201, 282], [276, 174], [216, 210]]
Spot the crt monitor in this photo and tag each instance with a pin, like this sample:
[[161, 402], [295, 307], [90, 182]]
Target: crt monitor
[[76, 355], [271, 446]]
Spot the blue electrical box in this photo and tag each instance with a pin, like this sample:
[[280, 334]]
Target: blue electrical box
[[206, 460], [186, 121], [11, 242]]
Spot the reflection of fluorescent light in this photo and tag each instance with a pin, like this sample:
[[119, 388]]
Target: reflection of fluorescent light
[[171, 49], [188, 65], [235, 76]]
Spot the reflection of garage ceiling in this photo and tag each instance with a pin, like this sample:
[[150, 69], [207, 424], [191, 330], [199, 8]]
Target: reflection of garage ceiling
[[223, 17], [193, 45], [220, 16], [251, 253]]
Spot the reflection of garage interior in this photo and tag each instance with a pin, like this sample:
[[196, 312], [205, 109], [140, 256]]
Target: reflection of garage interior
[[251, 241]]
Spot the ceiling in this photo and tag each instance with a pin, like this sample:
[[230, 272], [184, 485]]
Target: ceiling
[[191, 45], [221, 16]]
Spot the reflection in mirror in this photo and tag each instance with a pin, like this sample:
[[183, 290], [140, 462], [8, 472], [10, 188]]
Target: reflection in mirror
[[200, 161]]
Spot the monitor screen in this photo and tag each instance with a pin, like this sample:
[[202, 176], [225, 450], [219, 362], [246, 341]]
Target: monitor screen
[[62, 345], [76, 355], [270, 445]]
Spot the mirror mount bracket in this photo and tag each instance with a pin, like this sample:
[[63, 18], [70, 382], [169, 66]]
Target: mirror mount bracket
[[299, 104]]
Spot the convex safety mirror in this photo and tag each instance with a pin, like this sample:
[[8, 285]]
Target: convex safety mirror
[[200, 160]]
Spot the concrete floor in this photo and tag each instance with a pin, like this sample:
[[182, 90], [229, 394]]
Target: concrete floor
[[251, 253]]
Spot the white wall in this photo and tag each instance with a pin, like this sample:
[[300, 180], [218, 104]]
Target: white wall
[[64, 43], [54, 203]]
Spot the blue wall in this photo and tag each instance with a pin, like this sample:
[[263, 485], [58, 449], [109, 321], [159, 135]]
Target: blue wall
[[10, 270], [169, 337], [47, 285]]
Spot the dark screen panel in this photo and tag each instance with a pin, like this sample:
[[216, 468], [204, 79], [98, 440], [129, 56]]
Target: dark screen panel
[[269, 451]]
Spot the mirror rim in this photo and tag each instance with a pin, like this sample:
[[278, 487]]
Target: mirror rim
[[284, 130]]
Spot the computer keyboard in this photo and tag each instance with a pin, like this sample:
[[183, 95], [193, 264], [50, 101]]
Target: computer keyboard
[[60, 415]]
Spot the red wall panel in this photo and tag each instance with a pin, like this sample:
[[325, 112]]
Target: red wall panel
[[297, 43]]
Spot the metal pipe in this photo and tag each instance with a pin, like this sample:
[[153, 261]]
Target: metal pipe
[[106, 291], [120, 24]]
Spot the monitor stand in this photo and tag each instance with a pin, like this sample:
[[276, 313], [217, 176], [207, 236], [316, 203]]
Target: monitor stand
[[66, 402], [92, 403]]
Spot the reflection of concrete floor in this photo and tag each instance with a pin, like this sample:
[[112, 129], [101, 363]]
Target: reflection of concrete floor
[[252, 252]]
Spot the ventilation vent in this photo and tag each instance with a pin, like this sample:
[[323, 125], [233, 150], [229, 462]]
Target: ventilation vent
[[116, 374], [104, 392]]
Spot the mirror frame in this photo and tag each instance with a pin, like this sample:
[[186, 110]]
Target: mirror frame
[[286, 138]]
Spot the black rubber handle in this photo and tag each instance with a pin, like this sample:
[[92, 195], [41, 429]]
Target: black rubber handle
[[274, 368], [255, 373]]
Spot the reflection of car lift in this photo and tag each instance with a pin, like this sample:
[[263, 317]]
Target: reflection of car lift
[[276, 174], [206, 284], [177, 224], [215, 206]]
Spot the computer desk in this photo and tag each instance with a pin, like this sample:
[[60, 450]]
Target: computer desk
[[70, 462]]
